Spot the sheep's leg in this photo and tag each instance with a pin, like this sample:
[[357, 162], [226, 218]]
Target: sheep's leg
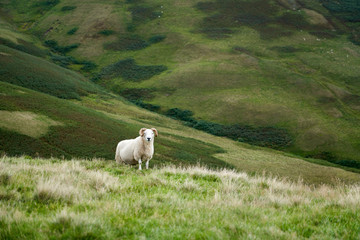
[[139, 164], [147, 164]]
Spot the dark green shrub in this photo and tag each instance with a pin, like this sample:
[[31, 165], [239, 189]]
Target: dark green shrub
[[49, 2], [348, 10], [224, 16], [156, 39], [142, 14], [45, 4], [206, 6], [88, 66], [53, 45], [262, 136], [348, 163], [132, 42], [66, 49], [127, 43], [328, 156], [148, 106], [134, 94], [106, 32], [129, 70], [40, 7], [184, 115], [355, 37], [131, 27], [67, 8], [63, 61], [134, 1], [293, 19], [267, 17], [209, 127], [72, 31]]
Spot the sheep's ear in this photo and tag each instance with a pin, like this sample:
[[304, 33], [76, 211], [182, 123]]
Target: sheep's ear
[[155, 131], [141, 132]]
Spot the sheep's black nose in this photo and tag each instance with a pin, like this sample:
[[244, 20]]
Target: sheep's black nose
[[148, 139]]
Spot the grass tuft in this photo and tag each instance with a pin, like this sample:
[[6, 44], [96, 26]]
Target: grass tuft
[[5, 178], [49, 190]]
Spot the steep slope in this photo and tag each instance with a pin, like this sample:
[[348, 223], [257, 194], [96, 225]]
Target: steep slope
[[62, 128], [32, 72], [24, 63], [287, 66], [43, 199]]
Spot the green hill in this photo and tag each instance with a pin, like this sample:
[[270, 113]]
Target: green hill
[[281, 74], [62, 128], [93, 127], [51, 198], [90, 125]]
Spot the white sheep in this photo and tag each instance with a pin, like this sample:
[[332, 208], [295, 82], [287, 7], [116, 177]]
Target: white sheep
[[134, 151]]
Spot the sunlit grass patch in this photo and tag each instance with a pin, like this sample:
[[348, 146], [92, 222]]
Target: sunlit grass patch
[[27, 123], [49, 190]]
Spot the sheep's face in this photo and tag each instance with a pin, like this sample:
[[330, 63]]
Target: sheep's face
[[147, 134]]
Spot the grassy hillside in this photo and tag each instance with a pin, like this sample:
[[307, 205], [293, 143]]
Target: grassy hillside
[[9, 36], [37, 124], [288, 66], [242, 156], [43, 199], [70, 130], [35, 73], [67, 129], [24, 62]]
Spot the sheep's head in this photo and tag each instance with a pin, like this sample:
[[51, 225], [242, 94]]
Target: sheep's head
[[148, 134]]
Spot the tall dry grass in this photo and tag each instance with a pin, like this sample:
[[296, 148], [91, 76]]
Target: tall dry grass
[[101, 200]]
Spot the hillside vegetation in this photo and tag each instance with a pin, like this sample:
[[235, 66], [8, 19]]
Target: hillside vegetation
[[67, 130], [75, 131], [51, 198], [283, 71], [40, 75], [37, 124]]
